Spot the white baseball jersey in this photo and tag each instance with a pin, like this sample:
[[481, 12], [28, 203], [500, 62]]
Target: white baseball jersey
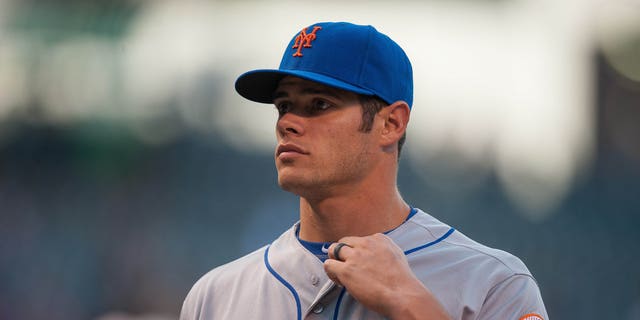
[[286, 281]]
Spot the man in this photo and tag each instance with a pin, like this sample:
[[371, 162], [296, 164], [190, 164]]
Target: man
[[344, 94]]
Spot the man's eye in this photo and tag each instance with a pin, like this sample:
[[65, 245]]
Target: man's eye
[[283, 107], [320, 104]]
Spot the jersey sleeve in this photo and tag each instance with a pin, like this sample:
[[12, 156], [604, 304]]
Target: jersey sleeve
[[193, 302], [515, 298]]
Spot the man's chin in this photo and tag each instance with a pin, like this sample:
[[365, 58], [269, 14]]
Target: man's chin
[[290, 184], [304, 188], [295, 185]]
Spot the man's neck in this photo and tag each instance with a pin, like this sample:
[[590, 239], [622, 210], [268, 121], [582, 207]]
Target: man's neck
[[329, 219]]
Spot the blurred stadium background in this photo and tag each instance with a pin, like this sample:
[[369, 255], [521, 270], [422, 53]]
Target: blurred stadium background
[[129, 167]]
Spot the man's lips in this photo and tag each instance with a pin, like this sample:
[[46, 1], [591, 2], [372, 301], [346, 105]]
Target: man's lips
[[289, 149]]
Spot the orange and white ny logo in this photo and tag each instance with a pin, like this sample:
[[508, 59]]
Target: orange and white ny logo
[[303, 40]]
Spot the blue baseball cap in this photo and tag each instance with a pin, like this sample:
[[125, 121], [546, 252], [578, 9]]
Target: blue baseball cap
[[352, 57]]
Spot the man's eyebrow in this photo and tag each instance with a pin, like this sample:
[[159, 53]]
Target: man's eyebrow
[[279, 94], [322, 91]]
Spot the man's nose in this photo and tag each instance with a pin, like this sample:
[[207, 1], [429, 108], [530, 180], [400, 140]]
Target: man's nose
[[290, 124]]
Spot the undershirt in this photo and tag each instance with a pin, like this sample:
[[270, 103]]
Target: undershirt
[[321, 249]]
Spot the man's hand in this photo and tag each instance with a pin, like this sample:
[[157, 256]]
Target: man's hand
[[375, 272]]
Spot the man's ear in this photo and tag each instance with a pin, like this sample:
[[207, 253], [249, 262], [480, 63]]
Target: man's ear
[[395, 119]]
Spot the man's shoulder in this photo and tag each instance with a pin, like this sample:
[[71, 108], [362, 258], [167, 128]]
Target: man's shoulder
[[226, 277], [233, 270], [496, 259], [248, 268], [488, 282], [458, 247]]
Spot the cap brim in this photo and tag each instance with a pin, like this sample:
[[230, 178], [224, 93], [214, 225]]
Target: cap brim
[[260, 85]]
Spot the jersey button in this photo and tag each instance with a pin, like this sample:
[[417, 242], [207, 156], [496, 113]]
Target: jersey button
[[318, 309], [315, 280]]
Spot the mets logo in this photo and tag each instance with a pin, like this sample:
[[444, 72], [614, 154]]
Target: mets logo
[[531, 316], [303, 40]]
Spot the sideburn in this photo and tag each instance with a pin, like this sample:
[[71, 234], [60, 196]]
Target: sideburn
[[371, 105]]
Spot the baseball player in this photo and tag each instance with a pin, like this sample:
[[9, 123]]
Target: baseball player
[[343, 93]]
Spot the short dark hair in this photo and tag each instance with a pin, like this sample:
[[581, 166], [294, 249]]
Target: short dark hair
[[371, 105]]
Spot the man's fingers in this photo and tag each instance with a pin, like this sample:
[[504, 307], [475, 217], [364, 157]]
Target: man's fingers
[[331, 268], [339, 251]]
